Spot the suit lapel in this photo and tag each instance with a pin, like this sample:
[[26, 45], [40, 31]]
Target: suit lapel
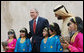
[[32, 25]]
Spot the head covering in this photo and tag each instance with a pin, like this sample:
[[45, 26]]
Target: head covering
[[23, 30], [61, 11], [11, 31], [51, 26], [55, 27], [46, 28], [77, 20]]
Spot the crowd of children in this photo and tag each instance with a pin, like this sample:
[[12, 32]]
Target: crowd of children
[[51, 41]]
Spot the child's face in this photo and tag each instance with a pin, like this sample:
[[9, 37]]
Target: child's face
[[11, 35], [45, 33], [22, 34], [72, 26], [51, 32]]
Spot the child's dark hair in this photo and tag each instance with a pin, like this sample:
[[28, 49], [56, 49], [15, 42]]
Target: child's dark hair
[[11, 31], [55, 27], [77, 20], [47, 29], [26, 32]]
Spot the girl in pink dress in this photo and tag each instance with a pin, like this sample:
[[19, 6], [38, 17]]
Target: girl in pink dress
[[11, 41], [76, 33]]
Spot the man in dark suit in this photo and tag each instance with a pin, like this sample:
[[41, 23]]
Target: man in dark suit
[[37, 24]]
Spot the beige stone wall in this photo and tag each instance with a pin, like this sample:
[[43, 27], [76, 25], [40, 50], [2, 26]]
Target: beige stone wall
[[16, 14]]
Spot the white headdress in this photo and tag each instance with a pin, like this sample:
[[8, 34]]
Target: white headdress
[[61, 10]]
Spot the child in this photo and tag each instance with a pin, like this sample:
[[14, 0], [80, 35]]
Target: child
[[43, 46], [76, 35], [11, 41], [54, 44], [23, 43]]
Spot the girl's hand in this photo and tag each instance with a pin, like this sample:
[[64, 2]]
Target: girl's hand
[[65, 45], [6, 47]]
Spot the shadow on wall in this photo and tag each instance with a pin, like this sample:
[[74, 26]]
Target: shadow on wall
[[6, 16]]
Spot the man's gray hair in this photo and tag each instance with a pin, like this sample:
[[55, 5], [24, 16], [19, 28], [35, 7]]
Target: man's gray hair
[[36, 10]]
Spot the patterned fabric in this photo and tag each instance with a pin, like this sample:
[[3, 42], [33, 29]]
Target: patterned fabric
[[23, 47], [54, 44], [77, 45], [43, 46], [11, 45]]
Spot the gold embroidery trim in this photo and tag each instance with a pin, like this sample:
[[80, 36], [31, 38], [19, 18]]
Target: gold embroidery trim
[[12, 44], [10, 40], [45, 40], [22, 40], [60, 49], [51, 46], [23, 49], [51, 36], [73, 37]]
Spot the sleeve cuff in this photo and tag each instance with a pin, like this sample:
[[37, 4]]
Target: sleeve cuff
[[69, 47]]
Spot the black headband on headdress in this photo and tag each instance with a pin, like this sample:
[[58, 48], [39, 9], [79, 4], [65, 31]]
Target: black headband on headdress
[[60, 8]]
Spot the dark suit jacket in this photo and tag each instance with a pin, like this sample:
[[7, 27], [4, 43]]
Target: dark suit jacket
[[41, 24]]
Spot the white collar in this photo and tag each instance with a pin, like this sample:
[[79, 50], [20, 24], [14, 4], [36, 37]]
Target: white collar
[[37, 19]]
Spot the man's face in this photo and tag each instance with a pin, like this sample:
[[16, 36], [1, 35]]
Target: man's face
[[33, 14], [58, 17]]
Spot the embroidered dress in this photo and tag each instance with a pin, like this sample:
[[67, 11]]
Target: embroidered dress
[[23, 46], [44, 45], [54, 44], [11, 45], [76, 44]]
